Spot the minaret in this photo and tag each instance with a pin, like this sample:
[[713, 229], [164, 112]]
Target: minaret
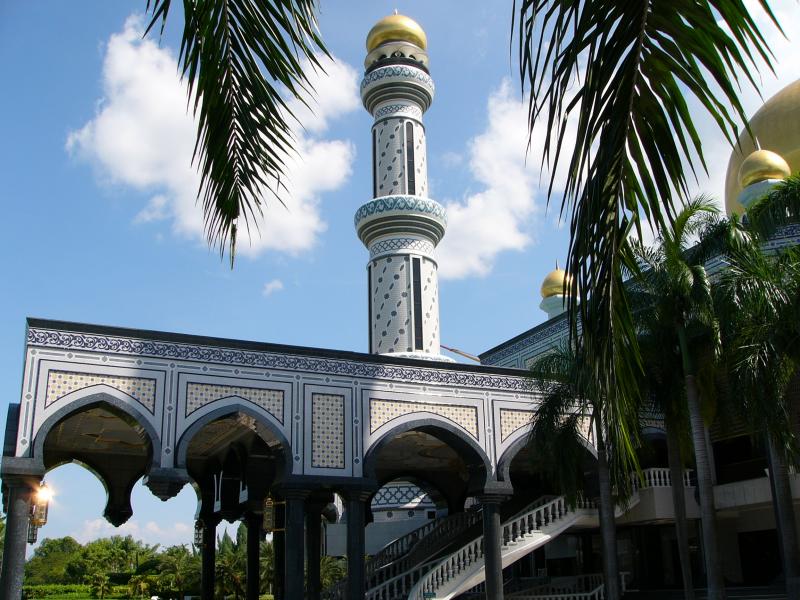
[[400, 226]]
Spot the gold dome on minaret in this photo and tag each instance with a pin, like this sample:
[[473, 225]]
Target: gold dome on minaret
[[776, 126], [762, 165], [553, 284], [396, 28]]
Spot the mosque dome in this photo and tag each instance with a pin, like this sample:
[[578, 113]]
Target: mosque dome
[[553, 284], [762, 165], [396, 28], [776, 126]]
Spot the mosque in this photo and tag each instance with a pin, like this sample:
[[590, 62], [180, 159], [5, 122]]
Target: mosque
[[401, 453]]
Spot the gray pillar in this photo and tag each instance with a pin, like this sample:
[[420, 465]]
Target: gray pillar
[[13, 572], [356, 546], [492, 542], [278, 552], [314, 548], [295, 534], [253, 583], [208, 559]]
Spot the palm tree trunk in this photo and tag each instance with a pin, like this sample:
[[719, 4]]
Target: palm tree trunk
[[716, 584], [784, 518], [679, 504], [608, 526]]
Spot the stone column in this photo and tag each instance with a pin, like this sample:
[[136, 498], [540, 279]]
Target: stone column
[[492, 543], [20, 491], [314, 548], [208, 558], [295, 534], [356, 546], [253, 521], [278, 552]]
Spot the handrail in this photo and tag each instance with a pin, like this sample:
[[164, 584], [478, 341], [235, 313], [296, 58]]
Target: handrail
[[658, 477], [539, 517]]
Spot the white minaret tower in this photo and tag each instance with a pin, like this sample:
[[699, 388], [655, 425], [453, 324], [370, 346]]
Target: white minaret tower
[[400, 226]]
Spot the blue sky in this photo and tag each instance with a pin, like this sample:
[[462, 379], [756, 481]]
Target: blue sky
[[99, 223]]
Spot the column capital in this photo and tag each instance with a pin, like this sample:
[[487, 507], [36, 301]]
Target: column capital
[[495, 492], [294, 493]]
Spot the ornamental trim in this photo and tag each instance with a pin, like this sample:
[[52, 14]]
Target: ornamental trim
[[392, 109], [67, 340], [400, 203], [397, 71], [421, 246]]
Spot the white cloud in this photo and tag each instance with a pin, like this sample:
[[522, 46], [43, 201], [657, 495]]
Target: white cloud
[[151, 533], [276, 285], [501, 216], [143, 138]]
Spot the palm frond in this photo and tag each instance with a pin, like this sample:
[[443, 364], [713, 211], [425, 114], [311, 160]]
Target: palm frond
[[238, 58], [777, 209], [619, 69]]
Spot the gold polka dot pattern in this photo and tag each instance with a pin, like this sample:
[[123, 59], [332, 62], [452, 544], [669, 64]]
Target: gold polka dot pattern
[[327, 431], [383, 411], [200, 394], [61, 383]]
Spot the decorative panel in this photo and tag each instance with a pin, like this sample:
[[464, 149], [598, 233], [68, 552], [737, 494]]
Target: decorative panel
[[383, 411], [401, 495], [61, 383], [327, 431], [511, 420], [200, 394]]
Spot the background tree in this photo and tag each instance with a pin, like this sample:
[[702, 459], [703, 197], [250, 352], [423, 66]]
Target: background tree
[[674, 278], [759, 302], [50, 561], [231, 563], [620, 74], [570, 407]]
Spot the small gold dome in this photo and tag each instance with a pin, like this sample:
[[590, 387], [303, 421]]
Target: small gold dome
[[553, 284], [761, 165], [396, 28], [776, 125]]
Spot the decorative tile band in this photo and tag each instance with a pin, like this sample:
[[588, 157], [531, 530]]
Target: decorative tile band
[[327, 431], [408, 110], [394, 244], [61, 383], [401, 495], [398, 71], [400, 203], [269, 360], [199, 395], [511, 420], [383, 411]]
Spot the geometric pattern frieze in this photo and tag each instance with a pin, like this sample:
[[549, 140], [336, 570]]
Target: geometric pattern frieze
[[200, 394], [383, 411], [402, 495], [327, 431], [67, 340], [61, 383], [511, 420]]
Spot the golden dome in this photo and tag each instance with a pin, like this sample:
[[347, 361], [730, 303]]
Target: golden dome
[[776, 125], [762, 165], [553, 284], [396, 28]]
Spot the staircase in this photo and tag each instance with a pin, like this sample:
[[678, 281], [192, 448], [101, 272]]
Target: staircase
[[392, 572], [522, 533]]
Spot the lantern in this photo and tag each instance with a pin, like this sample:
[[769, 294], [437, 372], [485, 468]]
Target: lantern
[[268, 520], [198, 533]]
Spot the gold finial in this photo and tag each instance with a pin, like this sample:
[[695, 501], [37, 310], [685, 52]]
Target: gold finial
[[396, 28], [762, 165], [553, 284]]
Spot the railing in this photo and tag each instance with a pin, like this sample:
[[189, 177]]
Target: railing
[[394, 568], [538, 519], [579, 587], [658, 477]]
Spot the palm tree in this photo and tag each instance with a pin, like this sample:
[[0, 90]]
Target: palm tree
[[100, 585], [230, 566], [760, 302], [674, 278], [180, 567], [238, 57], [569, 399], [139, 586], [620, 74], [662, 368], [266, 563]]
